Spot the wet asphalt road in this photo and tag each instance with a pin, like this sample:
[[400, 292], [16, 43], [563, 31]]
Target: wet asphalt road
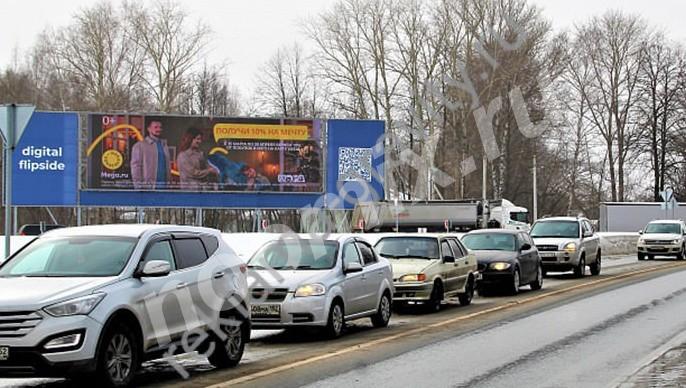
[[599, 341], [610, 339]]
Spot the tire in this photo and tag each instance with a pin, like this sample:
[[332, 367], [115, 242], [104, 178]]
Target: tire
[[336, 322], [466, 298], [513, 288], [580, 270], [434, 303], [383, 313], [596, 266], [680, 255], [119, 356], [545, 272], [228, 351], [538, 283], [651, 257], [641, 257]]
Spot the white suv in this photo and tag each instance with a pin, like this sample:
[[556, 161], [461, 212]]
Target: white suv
[[567, 243], [663, 238], [103, 299]]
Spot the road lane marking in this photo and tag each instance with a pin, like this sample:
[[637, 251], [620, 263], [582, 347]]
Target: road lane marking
[[423, 329]]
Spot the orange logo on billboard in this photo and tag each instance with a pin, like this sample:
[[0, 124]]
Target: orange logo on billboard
[[112, 159], [261, 131]]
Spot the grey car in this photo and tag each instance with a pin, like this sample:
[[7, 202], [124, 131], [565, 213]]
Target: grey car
[[567, 243], [301, 281], [102, 299]]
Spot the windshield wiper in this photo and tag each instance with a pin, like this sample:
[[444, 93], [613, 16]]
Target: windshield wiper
[[257, 266]]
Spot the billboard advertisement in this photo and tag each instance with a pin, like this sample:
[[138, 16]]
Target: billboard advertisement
[[203, 154], [46, 156]]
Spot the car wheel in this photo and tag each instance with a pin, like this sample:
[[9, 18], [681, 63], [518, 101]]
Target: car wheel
[[651, 257], [538, 283], [680, 256], [466, 298], [514, 287], [434, 303], [641, 256], [596, 266], [383, 313], [119, 356], [580, 270], [336, 321], [228, 350], [545, 272]]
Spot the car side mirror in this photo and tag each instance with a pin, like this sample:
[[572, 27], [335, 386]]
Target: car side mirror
[[155, 268], [448, 259], [525, 247], [640, 232], [352, 267]]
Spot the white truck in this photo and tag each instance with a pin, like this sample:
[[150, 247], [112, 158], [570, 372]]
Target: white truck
[[437, 216]]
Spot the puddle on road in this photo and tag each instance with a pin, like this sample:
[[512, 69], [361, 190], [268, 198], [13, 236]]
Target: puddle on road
[[669, 370]]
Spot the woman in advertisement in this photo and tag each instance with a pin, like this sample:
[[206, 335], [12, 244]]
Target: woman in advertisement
[[193, 168]]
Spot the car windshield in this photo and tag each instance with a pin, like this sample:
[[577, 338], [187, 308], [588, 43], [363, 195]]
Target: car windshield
[[490, 242], [408, 248], [566, 229], [668, 228], [296, 255], [71, 256]]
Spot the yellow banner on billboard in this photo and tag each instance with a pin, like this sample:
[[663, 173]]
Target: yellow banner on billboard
[[260, 131]]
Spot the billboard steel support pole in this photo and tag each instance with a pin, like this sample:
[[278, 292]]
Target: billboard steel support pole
[[9, 149]]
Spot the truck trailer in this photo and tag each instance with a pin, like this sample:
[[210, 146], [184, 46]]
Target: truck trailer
[[437, 216]]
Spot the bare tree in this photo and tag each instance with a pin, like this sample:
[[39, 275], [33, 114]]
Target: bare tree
[[95, 55], [662, 71], [612, 46], [172, 47]]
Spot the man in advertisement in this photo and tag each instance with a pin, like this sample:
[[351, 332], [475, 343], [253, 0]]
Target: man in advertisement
[[150, 160]]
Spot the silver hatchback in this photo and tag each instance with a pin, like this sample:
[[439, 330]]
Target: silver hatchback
[[322, 282]]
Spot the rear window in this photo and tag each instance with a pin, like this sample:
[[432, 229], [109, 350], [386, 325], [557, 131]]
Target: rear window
[[189, 252]]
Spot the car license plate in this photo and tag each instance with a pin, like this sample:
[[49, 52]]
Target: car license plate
[[265, 310], [4, 353], [547, 255]]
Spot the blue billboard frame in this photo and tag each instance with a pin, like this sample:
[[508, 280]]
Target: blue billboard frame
[[55, 130]]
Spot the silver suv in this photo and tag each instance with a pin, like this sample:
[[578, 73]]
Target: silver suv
[[102, 299], [567, 243]]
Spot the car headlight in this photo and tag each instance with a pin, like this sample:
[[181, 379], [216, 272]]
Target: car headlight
[[78, 306], [499, 266], [570, 247], [315, 289], [676, 242], [418, 277]]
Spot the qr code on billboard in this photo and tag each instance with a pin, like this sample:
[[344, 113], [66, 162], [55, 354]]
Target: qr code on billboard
[[354, 164]]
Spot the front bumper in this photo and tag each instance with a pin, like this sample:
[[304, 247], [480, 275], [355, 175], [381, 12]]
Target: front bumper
[[558, 260], [655, 249], [491, 278], [294, 312], [412, 292], [28, 357]]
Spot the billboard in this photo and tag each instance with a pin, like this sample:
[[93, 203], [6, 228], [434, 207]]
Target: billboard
[[202, 154], [45, 161]]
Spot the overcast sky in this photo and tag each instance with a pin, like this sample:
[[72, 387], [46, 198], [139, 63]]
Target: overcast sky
[[246, 33]]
